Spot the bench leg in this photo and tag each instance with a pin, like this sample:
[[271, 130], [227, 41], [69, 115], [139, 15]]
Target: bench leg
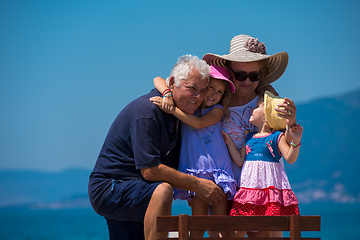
[[295, 233], [183, 226]]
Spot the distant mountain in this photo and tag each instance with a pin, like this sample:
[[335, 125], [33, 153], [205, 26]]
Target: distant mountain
[[328, 165], [326, 170], [38, 188]]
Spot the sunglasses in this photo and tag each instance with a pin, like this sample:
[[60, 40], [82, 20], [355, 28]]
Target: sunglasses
[[242, 76]]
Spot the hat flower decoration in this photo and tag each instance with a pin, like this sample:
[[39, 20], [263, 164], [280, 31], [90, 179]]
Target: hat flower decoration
[[253, 45]]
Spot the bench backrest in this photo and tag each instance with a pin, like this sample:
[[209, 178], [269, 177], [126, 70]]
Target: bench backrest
[[184, 223]]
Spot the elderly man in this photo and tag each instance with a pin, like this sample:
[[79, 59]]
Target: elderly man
[[134, 176]]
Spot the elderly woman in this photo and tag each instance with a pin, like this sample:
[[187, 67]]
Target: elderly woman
[[251, 70]]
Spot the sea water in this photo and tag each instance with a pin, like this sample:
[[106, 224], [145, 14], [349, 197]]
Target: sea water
[[338, 221], [69, 224]]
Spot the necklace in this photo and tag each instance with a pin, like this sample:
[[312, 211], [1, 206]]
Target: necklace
[[207, 138]]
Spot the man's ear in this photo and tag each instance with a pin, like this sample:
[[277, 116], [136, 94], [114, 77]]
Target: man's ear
[[172, 83]]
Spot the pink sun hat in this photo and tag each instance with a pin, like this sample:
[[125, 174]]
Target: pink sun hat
[[222, 74]]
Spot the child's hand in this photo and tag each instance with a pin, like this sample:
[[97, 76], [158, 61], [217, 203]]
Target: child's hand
[[157, 101], [296, 133], [165, 106], [227, 138]]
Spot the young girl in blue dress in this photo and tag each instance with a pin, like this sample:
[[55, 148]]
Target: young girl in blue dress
[[203, 150], [264, 186]]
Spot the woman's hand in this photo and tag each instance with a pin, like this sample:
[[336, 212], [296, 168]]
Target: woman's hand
[[287, 110], [166, 104]]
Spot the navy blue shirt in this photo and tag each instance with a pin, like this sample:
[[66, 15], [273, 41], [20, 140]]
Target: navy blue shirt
[[141, 136]]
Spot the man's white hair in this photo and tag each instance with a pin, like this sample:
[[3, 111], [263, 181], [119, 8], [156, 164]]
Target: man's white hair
[[185, 65]]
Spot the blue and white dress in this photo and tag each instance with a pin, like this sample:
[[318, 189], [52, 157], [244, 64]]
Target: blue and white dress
[[264, 186], [204, 154]]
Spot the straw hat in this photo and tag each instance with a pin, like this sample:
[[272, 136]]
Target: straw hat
[[270, 103], [221, 73], [245, 48]]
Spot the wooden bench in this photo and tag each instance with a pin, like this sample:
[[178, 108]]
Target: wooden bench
[[295, 224]]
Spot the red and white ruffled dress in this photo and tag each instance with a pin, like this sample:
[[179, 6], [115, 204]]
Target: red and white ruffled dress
[[264, 186]]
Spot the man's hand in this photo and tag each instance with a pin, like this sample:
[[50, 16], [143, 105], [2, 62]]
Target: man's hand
[[211, 193]]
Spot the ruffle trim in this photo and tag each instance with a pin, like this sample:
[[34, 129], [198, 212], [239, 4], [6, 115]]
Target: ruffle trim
[[221, 178], [271, 209], [285, 197]]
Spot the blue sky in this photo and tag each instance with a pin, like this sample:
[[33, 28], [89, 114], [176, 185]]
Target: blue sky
[[68, 67]]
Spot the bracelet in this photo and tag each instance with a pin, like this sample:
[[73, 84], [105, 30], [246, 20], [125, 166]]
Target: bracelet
[[165, 91], [167, 96], [294, 145]]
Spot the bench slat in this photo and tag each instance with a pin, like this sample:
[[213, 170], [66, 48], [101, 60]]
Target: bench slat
[[184, 223], [240, 223], [241, 238], [167, 223]]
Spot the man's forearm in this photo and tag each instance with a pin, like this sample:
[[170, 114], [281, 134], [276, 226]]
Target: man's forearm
[[163, 173]]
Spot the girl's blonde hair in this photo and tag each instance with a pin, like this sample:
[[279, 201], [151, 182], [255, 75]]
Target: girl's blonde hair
[[224, 101]]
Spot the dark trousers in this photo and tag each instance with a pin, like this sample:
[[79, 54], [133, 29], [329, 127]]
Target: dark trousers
[[122, 230]]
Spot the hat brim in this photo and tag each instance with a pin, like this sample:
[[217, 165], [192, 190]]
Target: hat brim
[[270, 103], [277, 63]]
